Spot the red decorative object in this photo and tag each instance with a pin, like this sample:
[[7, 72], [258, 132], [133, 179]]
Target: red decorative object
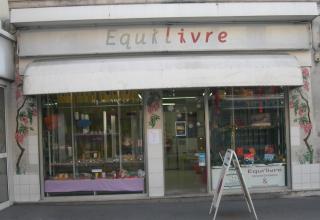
[[239, 151], [260, 93], [249, 158], [51, 122], [269, 149], [252, 150], [217, 99]]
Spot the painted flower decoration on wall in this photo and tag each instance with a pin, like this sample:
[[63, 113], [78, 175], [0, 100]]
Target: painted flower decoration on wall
[[153, 105], [24, 118], [300, 104]]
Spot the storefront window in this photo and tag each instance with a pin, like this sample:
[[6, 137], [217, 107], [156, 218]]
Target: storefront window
[[3, 156], [250, 121], [2, 123], [3, 180], [93, 143]]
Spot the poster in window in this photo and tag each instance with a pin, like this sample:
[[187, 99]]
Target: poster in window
[[181, 128]]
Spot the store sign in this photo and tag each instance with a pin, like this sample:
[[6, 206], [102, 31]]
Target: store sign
[[164, 38], [165, 35], [256, 176]]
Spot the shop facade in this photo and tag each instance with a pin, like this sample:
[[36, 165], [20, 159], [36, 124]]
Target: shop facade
[[6, 78], [112, 108]]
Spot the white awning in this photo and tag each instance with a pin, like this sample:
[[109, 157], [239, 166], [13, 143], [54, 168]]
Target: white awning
[[155, 72]]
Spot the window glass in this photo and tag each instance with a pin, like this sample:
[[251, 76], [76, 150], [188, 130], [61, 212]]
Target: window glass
[[2, 123], [104, 133], [57, 136], [3, 180], [250, 121]]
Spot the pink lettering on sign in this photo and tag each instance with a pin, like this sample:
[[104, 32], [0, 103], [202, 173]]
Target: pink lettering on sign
[[195, 39], [222, 36], [182, 40], [186, 37], [208, 34]]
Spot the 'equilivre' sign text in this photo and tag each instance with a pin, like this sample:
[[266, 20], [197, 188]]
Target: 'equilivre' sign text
[[175, 37]]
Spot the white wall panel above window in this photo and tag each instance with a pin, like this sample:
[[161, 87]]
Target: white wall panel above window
[[176, 12], [164, 38]]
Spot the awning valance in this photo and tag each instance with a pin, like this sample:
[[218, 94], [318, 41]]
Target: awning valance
[[155, 72]]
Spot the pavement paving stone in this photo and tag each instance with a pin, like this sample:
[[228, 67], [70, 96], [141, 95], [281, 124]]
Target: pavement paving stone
[[300, 208]]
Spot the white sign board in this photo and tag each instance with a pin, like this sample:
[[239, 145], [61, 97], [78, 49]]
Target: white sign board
[[255, 175], [164, 38], [229, 157], [154, 136]]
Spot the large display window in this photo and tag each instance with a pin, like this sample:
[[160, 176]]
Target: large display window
[[252, 122], [92, 143], [4, 195]]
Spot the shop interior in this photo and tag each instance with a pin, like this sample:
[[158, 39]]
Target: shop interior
[[252, 122], [93, 142], [185, 143]]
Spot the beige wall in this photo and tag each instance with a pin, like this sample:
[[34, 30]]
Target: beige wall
[[51, 3]]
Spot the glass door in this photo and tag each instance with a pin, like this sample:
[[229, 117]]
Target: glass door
[[184, 130], [4, 195]]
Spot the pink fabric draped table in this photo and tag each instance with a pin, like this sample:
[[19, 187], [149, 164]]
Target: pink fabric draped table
[[95, 185]]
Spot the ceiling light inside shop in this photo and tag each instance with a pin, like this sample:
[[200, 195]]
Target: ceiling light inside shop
[[168, 103], [187, 97], [50, 104]]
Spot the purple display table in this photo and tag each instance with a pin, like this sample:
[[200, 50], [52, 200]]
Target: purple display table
[[94, 185]]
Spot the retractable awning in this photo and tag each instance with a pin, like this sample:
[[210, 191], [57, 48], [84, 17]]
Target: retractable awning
[[155, 72]]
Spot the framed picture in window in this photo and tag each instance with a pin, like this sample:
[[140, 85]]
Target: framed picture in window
[[181, 128]]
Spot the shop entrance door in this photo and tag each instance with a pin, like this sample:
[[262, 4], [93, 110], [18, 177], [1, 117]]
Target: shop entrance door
[[185, 151], [4, 196]]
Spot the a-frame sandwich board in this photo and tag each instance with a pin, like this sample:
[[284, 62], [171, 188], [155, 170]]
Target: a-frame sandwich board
[[230, 156]]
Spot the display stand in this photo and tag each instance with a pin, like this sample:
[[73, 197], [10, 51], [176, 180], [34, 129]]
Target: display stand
[[230, 156]]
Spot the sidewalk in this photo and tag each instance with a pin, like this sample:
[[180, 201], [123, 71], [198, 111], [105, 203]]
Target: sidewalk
[[168, 209]]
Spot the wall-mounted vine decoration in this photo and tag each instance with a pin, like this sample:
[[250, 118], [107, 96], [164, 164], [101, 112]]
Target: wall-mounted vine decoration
[[25, 112], [153, 104], [301, 106]]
